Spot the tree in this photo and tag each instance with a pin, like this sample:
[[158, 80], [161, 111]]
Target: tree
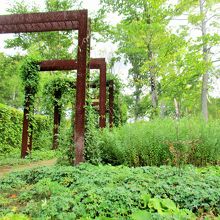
[[171, 65], [208, 39], [141, 34], [10, 82]]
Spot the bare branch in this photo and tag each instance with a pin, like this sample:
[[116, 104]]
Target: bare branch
[[213, 16]]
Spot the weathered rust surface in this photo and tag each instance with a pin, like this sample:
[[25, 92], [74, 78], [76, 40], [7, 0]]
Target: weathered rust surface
[[79, 128], [95, 103], [43, 17], [39, 27], [30, 136], [53, 65], [56, 65], [25, 136], [111, 103], [102, 96], [41, 22]]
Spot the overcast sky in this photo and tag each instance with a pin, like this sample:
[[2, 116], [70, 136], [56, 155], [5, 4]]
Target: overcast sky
[[100, 49]]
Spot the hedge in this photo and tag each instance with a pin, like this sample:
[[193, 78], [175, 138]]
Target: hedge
[[11, 120]]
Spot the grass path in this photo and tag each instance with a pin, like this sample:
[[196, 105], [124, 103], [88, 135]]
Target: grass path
[[8, 169]]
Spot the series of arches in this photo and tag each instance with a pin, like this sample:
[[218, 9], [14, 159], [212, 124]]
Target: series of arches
[[62, 21]]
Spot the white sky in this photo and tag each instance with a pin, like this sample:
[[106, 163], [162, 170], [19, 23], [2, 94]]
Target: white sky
[[98, 50]]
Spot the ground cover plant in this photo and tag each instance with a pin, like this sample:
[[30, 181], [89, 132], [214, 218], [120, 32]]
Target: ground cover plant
[[108, 192], [162, 142]]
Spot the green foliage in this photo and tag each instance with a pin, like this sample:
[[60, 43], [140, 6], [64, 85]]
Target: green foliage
[[162, 209], [29, 70], [92, 151], [120, 108], [105, 192], [10, 82], [162, 141], [11, 130], [173, 59], [12, 216], [60, 91]]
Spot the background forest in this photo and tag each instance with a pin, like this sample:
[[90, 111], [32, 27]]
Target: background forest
[[172, 71]]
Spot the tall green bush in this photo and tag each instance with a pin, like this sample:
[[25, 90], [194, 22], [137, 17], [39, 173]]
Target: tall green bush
[[159, 142], [11, 130]]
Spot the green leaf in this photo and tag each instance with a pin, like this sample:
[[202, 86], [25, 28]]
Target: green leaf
[[145, 198], [155, 203], [142, 215], [169, 204]]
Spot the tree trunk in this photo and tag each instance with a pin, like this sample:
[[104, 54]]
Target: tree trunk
[[137, 95], [205, 78], [162, 109], [153, 83], [177, 109]]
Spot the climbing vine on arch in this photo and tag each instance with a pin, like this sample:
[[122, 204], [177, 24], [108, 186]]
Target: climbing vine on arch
[[58, 94], [29, 71], [59, 90]]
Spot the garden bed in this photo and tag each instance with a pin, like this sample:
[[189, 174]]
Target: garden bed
[[103, 192]]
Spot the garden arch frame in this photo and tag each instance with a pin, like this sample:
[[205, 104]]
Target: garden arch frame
[[111, 103], [97, 63], [57, 21]]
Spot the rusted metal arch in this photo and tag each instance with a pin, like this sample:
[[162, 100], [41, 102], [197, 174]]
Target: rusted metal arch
[[42, 22], [111, 103], [110, 84], [57, 110], [65, 65], [57, 21], [97, 63]]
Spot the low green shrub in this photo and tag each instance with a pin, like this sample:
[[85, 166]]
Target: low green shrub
[[105, 192], [11, 130], [162, 142]]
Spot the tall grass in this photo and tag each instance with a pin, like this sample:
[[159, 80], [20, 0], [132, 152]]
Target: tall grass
[[162, 141]]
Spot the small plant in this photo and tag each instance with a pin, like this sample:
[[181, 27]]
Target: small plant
[[157, 208]]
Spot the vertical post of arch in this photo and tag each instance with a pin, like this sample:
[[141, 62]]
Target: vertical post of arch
[[102, 98], [111, 103], [25, 137], [79, 128]]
